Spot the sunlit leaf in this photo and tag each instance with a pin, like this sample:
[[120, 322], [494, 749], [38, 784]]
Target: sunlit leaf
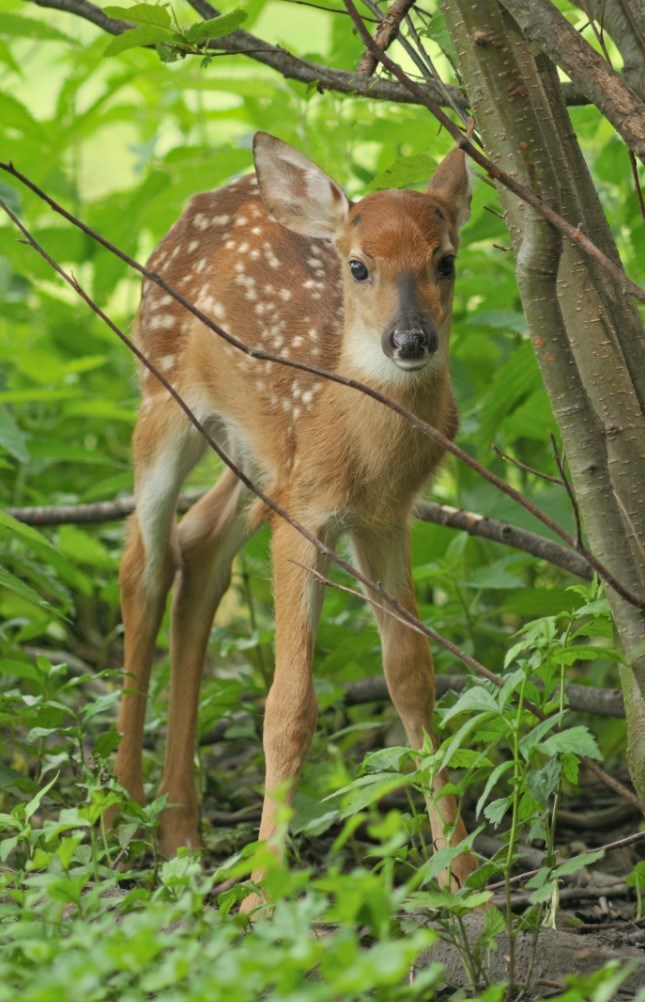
[[135, 37], [216, 27]]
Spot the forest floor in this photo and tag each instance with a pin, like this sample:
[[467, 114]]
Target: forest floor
[[598, 912]]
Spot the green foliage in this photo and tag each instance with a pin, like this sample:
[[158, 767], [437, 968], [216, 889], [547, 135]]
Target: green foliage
[[124, 141]]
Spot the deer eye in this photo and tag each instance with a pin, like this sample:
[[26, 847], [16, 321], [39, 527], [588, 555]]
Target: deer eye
[[446, 267], [358, 270]]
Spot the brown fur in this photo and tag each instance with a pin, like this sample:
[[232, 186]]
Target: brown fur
[[332, 457]]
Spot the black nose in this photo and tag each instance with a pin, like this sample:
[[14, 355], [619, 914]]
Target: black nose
[[413, 341]]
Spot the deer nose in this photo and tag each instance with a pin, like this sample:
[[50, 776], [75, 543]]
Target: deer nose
[[413, 341]]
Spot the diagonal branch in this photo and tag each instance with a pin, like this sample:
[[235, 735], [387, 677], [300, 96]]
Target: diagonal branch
[[386, 32], [426, 429]]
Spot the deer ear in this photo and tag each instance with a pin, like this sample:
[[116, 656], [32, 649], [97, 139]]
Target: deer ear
[[295, 191], [451, 185]]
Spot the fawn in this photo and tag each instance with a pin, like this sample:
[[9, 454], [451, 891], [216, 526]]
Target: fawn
[[287, 263]]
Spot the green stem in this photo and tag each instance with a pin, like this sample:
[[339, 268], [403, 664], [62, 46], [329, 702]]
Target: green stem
[[512, 842]]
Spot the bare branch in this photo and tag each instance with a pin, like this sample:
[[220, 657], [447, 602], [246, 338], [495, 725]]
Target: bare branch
[[427, 511], [561, 224], [386, 32], [503, 532], [287, 65], [580, 698], [426, 429]]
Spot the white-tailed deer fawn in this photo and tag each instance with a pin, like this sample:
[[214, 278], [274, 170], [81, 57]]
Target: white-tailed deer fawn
[[363, 289]]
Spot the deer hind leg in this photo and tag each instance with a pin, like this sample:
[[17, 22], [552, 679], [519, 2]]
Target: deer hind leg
[[409, 672], [291, 708], [147, 571], [209, 537]]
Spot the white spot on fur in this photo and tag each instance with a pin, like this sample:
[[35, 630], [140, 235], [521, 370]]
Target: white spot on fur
[[162, 323]]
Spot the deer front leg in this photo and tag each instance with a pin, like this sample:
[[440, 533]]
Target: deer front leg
[[384, 557], [291, 708]]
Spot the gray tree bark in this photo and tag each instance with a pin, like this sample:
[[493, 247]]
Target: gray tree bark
[[587, 336]]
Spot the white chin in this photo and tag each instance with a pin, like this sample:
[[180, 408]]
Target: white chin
[[410, 366]]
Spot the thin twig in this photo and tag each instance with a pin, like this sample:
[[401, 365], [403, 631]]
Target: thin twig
[[385, 34], [573, 232], [630, 523], [608, 847], [327, 10], [426, 429], [559, 459], [523, 466]]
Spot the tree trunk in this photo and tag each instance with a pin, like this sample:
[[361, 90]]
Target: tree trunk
[[587, 335]]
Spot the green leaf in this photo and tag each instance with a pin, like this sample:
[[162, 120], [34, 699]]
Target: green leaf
[[495, 811], [577, 740], [406, 171], [26, 27], [534, 738], [543, 894], [12, 438], [137, 37], [6, 57], [476, 698], [578, 862], [495, 775], [216, 27], [437, 30], [367, 790], [15, 115], [18, 587], [511, 384], [506, 320], [34, 803], [569, 655], [14, 528], [22, 669], [141, 14], [543, 783], [494, 576]]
